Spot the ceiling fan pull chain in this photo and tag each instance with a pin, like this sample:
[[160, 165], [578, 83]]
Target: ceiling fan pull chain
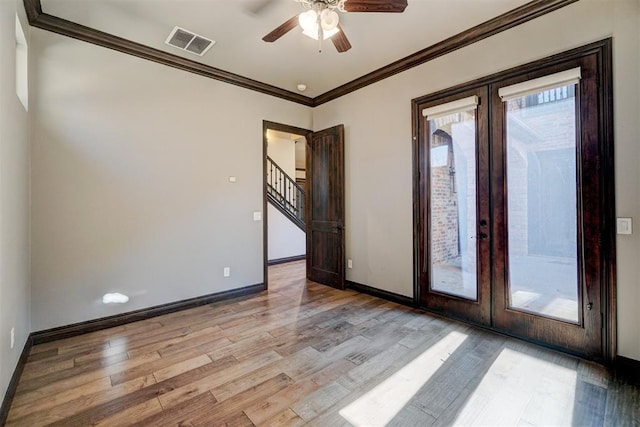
[[320, 34]]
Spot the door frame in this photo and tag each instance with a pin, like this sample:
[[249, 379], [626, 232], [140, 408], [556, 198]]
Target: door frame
[[267, 125], [603, 50]]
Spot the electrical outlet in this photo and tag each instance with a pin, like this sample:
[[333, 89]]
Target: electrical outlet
[[13, 337], [226, 272], [349, 263]]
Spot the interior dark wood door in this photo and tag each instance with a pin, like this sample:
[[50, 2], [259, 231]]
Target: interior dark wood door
[[325, 207], [454, 183]]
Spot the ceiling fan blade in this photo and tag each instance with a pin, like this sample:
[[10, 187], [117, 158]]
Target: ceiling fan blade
[[281, 30], [340, 41], [392, 6]]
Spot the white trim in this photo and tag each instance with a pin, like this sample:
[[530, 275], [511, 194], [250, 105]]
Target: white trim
[[458, 106], [563, 78]]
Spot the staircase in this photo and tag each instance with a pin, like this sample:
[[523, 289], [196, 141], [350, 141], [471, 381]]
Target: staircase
[[285, 194]]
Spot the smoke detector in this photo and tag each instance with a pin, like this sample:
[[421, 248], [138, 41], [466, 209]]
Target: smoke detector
[[189, 41]]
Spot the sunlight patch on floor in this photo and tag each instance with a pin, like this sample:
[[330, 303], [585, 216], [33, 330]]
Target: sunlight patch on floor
[[519, 388], [381, 404]]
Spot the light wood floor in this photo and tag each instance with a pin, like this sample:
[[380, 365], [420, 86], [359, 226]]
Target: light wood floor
[[306, 353]]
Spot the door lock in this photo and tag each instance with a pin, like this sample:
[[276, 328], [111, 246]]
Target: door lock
[[589, 306]]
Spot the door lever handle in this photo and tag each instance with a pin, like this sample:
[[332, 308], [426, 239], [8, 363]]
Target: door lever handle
[[481, 236]]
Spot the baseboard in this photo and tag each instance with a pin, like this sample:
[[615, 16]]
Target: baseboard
[[628, 368], [13, 384], [134, 316], [386, 295], [286, 260]]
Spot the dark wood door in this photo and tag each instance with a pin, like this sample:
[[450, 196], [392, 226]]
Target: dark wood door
[[325, 207], [548, 217], [454, 184], [523, 243]]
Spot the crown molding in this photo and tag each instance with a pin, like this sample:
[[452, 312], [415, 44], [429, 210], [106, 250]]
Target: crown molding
[[39, 19], [515, 17], [500, 23]]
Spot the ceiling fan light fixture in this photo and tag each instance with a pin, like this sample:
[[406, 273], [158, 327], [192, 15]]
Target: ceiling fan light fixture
[[329, 19], [308, 21], [321, 19], [315, 23], [325, 34]]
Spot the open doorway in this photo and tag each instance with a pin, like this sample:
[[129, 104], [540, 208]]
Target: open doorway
[[285, 181], [317, 208]]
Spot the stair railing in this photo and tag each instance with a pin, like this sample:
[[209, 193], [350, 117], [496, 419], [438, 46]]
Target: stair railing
[[285, 194]]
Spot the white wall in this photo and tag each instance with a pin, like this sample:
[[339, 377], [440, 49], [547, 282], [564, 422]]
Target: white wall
[[378, 143], [14, 200], [285, 239], [130, 189], [301, 157], [283, 152]]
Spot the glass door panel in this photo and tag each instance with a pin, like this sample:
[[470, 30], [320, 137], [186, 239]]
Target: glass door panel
[[542, 204], [452, 207], [454, 232]]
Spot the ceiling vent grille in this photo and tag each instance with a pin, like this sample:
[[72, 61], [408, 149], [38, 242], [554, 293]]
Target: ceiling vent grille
[[188, 41]]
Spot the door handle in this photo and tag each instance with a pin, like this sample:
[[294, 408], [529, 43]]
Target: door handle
[[481, 236]]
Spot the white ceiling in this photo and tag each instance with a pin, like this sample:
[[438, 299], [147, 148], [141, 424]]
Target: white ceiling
[[377, 38]]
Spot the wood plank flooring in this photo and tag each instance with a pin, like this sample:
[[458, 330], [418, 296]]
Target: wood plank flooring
[[303, 353]]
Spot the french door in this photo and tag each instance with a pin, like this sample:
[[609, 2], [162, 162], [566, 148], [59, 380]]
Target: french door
[[512, 204], [454, 170]]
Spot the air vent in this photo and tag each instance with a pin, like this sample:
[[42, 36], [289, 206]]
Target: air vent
[[186, 40]]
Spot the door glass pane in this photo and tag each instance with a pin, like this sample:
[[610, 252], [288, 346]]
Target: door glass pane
[[541, 199], [452, 148]]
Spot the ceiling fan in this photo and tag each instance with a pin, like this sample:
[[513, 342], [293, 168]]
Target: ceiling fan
[[321, 19]]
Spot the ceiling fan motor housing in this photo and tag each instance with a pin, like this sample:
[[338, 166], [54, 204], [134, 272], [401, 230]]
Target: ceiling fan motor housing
[[319, 5]]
